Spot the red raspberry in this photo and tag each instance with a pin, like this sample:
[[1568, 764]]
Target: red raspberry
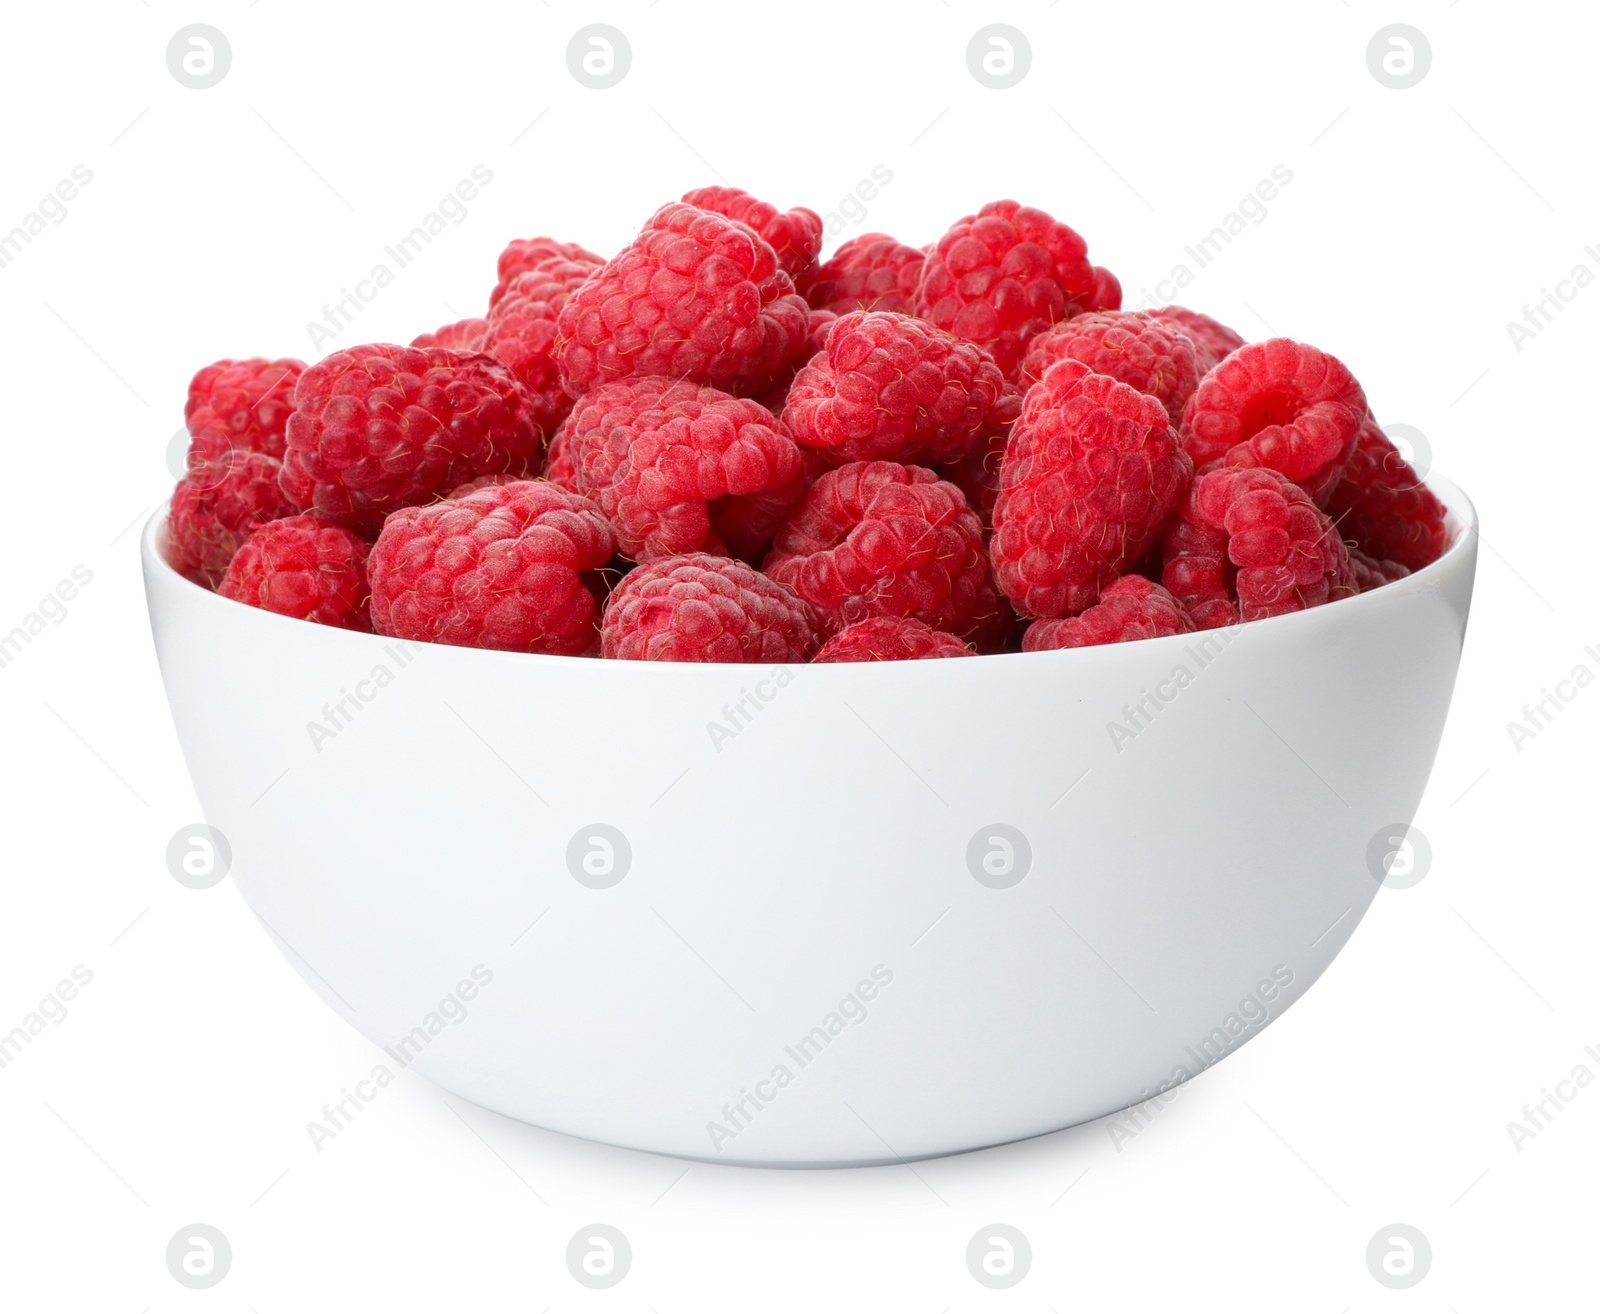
[[1003, 274], [1139, 350], [1129, 608], [1369, 572], [1197, 572], [526, 252], [504, 567], [216, 506], [892, 388], [774, 393], [652, 454], [795, 236], [302, 567], [1214, 342], [463, 335], [879, 539], [1382, 504], [558, 466], [522, 333], [977, 474], [379, 427], [870, 272], [889, 639], [1282, 553], [1107, 294], [1278, 404], [746, 526], [1091, 471], [695, 296], [241, 404], [703, 608]]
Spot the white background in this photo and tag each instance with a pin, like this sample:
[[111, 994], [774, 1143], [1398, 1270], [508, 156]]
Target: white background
[[219, 222]]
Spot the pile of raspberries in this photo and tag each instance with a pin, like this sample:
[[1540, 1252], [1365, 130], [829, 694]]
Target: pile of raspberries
[[716, 447]]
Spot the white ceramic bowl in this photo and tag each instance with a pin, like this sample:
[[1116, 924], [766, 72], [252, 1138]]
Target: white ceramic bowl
[[811, 948]]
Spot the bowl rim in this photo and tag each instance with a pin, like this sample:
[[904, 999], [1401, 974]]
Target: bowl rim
[[1461, 518]]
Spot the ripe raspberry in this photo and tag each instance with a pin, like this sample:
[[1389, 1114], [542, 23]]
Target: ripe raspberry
[[1382, 504], [1368, 572], [879, 539], [1003, 274], [695, 296], [379, 427], [704, 608], [1139, 350], [892, 388], [773, 393], [1268, 547], [1129, 608], [795, 236], [241, 404], [463, 335], [889, 639], [745, 526], [652, 454], [504, 567], [522, 333], [1090, 473], [1278, 404], [526, 252], [1214, 342], [1107, 294], [977, 474], [216, 506], [302, 567], [1196, 571], [558, 466], [870, 272]]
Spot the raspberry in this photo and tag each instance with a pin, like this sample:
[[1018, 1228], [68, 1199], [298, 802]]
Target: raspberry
[[1214, 342], [1368, 572], [1197, 572], [774, 393], [795, 236], [1107, 294], [892, 388], [1003, 274], [1129, 608], [1091, 471], [379, 427], [522, 333], [1261, 541], [977, 474], [463, 335], [1382, 504], [558, 467], [695, 296], [302, 567], [241, 404], [216, 506], [1278, 404], [889, 639], [1139, 350], [704, 608], [652, 454], [746, 526], [870, 272], [879, 539], [526, 252], [504, 567]]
